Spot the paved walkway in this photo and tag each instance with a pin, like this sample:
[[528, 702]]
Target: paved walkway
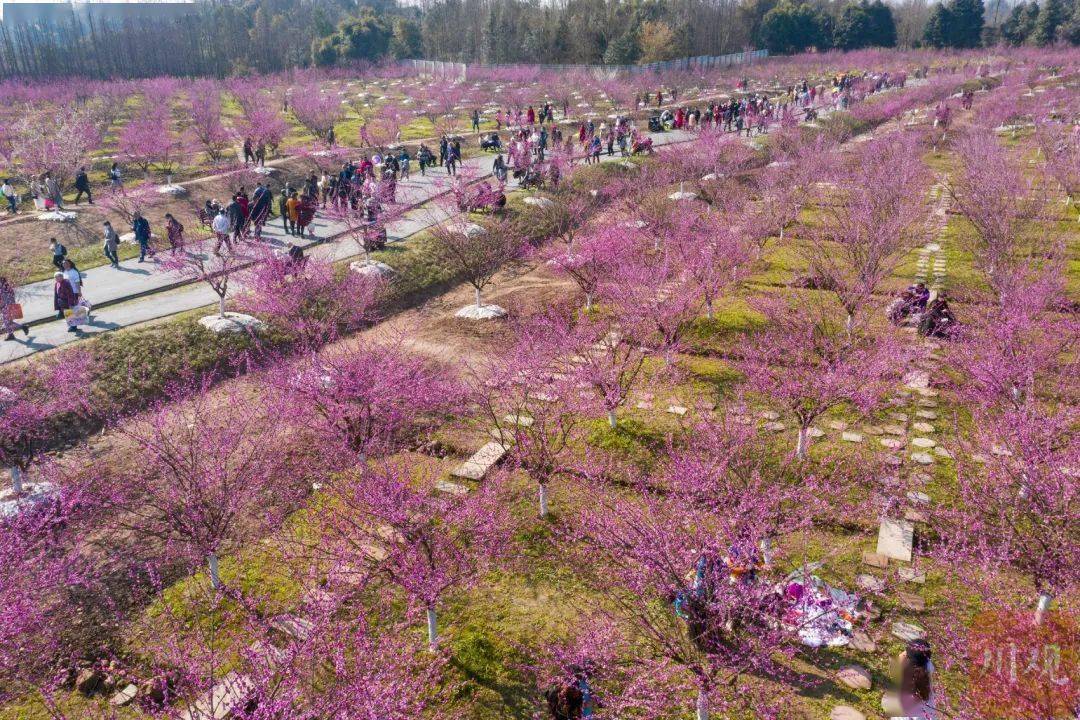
[[137, 292]]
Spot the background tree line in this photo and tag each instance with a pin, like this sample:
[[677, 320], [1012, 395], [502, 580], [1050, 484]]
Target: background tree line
[[226, 37]]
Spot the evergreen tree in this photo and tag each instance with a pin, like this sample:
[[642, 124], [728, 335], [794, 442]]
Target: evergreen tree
[[623, 50], [957, 24], [792, 27], [865, 24], [1052, 15], [966, 23], [1021, 21]]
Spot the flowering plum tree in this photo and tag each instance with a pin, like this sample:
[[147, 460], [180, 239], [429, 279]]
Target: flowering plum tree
[[210, 471], [365, 402], [312, 300], [877, 215], [421, 540], [204, 120], [807, 363]]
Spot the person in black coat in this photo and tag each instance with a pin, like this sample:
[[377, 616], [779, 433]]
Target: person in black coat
[[82, 184]]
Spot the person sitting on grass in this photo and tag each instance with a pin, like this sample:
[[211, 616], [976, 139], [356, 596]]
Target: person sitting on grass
[[938, 320]]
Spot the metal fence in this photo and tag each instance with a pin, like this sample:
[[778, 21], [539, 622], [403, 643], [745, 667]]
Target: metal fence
[[463, 71]]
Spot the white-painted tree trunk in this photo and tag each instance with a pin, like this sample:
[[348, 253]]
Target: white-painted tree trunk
[[588, 301], [849, 323], [212, 563], [612, 421], [802, 442], [781, 233], [1043, 607], [702, 705], [16, 480], [221, 306], [543, 500], [432, 629], [478, 302]]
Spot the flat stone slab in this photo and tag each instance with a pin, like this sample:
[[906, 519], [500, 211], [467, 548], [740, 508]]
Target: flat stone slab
[[837, 425], [124, 696], [852, 437], [875, 560], [922, 458], [293, 626], [911, 575], [896, 539], [869, 583], [892, 443], [926, 402], [893, 429], [855, 676], [676, 410], [476, 467], [228, 696], [907, 631], [942, 452], [919, 498], [451, 488], [770, 415], [519, 420], [926, 414], [910, 601], [862, 642], [815, 432], [872, 430], [845, 712], [923, 427], [923, 442], [642, 405], [775, 426]]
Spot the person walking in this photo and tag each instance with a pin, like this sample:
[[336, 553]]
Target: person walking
[[403, 163], [249, 151], [111, 248], [283, 210], [82, 184], [59, 252], [52, 190], [220, 226], [10, 310], [260, 208], [292, 206], [174, 232], [476, 121], [12, 197], [141, 227], [63, 297], [235, 213], [115, 178], [75, 280]]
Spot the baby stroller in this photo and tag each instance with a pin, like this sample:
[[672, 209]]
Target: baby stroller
[[655, 125]]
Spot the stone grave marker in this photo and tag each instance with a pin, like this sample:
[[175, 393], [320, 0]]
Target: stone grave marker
[[896, 539]]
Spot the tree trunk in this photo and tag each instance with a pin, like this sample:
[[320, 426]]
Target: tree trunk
[[702, 705], [781, 233], [221, 305], [588, 302], [432, 631], [212, 563], [708, 309], [849, 322], [611, 419], [16, 480], [478, 302], [802, 442], [543, 500], [1043, 607]]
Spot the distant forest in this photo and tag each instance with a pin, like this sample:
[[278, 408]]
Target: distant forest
[[236, 37]]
